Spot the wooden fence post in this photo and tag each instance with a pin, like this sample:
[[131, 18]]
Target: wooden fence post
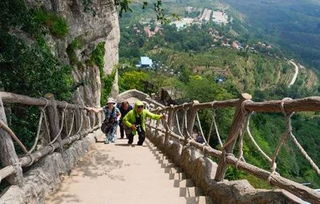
[[53, 118], [85, 122], [86, 119], [191, 117], [239, 120], [8, 155], [169, 123], [77, 119]]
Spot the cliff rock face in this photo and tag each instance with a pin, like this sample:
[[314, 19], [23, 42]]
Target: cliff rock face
[[89, 22]]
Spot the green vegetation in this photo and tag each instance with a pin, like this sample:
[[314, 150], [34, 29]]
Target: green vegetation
[[87, 7], [76, 44], [35, 21], [294, 25], [57, 25], [191, 62], [98, 55], [27, 64], [32, 69]]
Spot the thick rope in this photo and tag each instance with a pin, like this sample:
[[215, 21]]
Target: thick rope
[[46, 123], [210, 130], [305, 154], [254, 141], [66, 123], [183, 123], [166, 126], [186, 125], [178, 124], [71, 126], [62, 124], [201, 130], [88, 116], [94, 120], [39, 128], [240, 156], [214, 122], [81, 122], [14, 137], [38, 134], [282, 138]]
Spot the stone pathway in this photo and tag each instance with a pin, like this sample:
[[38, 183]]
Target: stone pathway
[[115, 174]]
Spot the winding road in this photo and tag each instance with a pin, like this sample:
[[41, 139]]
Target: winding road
[[294, 78]]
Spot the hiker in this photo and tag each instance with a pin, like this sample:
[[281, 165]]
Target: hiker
[[110, 123], [136, 121], [124, 108]]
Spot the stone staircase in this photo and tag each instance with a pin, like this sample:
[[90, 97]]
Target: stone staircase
[[187, 188]]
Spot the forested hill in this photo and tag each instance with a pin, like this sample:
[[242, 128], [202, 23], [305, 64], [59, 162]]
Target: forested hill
[[293, 24], [208, 54]]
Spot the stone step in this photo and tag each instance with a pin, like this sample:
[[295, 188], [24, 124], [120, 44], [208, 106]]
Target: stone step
[[172, 170], [156, 151], [157, 154], [166, 165], [161, 157], [177, 176], [183, 183], [190, 192], [164, 161], [199, 200]]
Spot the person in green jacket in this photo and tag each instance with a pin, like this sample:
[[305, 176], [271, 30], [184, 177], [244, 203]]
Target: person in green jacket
[[136, 121]]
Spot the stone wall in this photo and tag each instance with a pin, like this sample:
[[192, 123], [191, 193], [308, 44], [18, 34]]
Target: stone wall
[[45, 176], [201, 170], [89, 22]]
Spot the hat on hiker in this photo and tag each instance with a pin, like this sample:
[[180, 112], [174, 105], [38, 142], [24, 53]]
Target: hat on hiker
[[111, 100]]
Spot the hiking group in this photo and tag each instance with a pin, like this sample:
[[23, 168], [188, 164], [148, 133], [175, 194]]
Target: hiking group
[[132, 120]]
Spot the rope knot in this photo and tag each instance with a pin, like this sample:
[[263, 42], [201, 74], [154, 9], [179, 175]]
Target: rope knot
[[243, 108], [213, 103], [283, 110]]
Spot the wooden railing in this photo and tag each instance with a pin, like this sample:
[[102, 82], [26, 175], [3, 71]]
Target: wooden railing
[[85, 122], [60, 123], [243, 109]]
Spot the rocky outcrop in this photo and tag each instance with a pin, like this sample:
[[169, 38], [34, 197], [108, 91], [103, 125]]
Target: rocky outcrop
[[89, 22], [111, 56]]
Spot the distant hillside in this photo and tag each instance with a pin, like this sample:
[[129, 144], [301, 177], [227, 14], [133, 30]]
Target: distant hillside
[[293, 24], [209, 37], [209, 54]]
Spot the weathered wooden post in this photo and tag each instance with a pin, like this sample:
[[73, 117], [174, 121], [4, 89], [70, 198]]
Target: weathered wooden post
[[239, 120], [191, 117], [8, 155], [86, 121], [169, 124], [53, 118], [45, 139], [78, 121]]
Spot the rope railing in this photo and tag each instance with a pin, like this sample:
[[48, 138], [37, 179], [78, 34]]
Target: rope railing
[[71, 126], [189, 114], [61, 126], [44, 128], [254, 141], [38, 134], [241, 125]]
